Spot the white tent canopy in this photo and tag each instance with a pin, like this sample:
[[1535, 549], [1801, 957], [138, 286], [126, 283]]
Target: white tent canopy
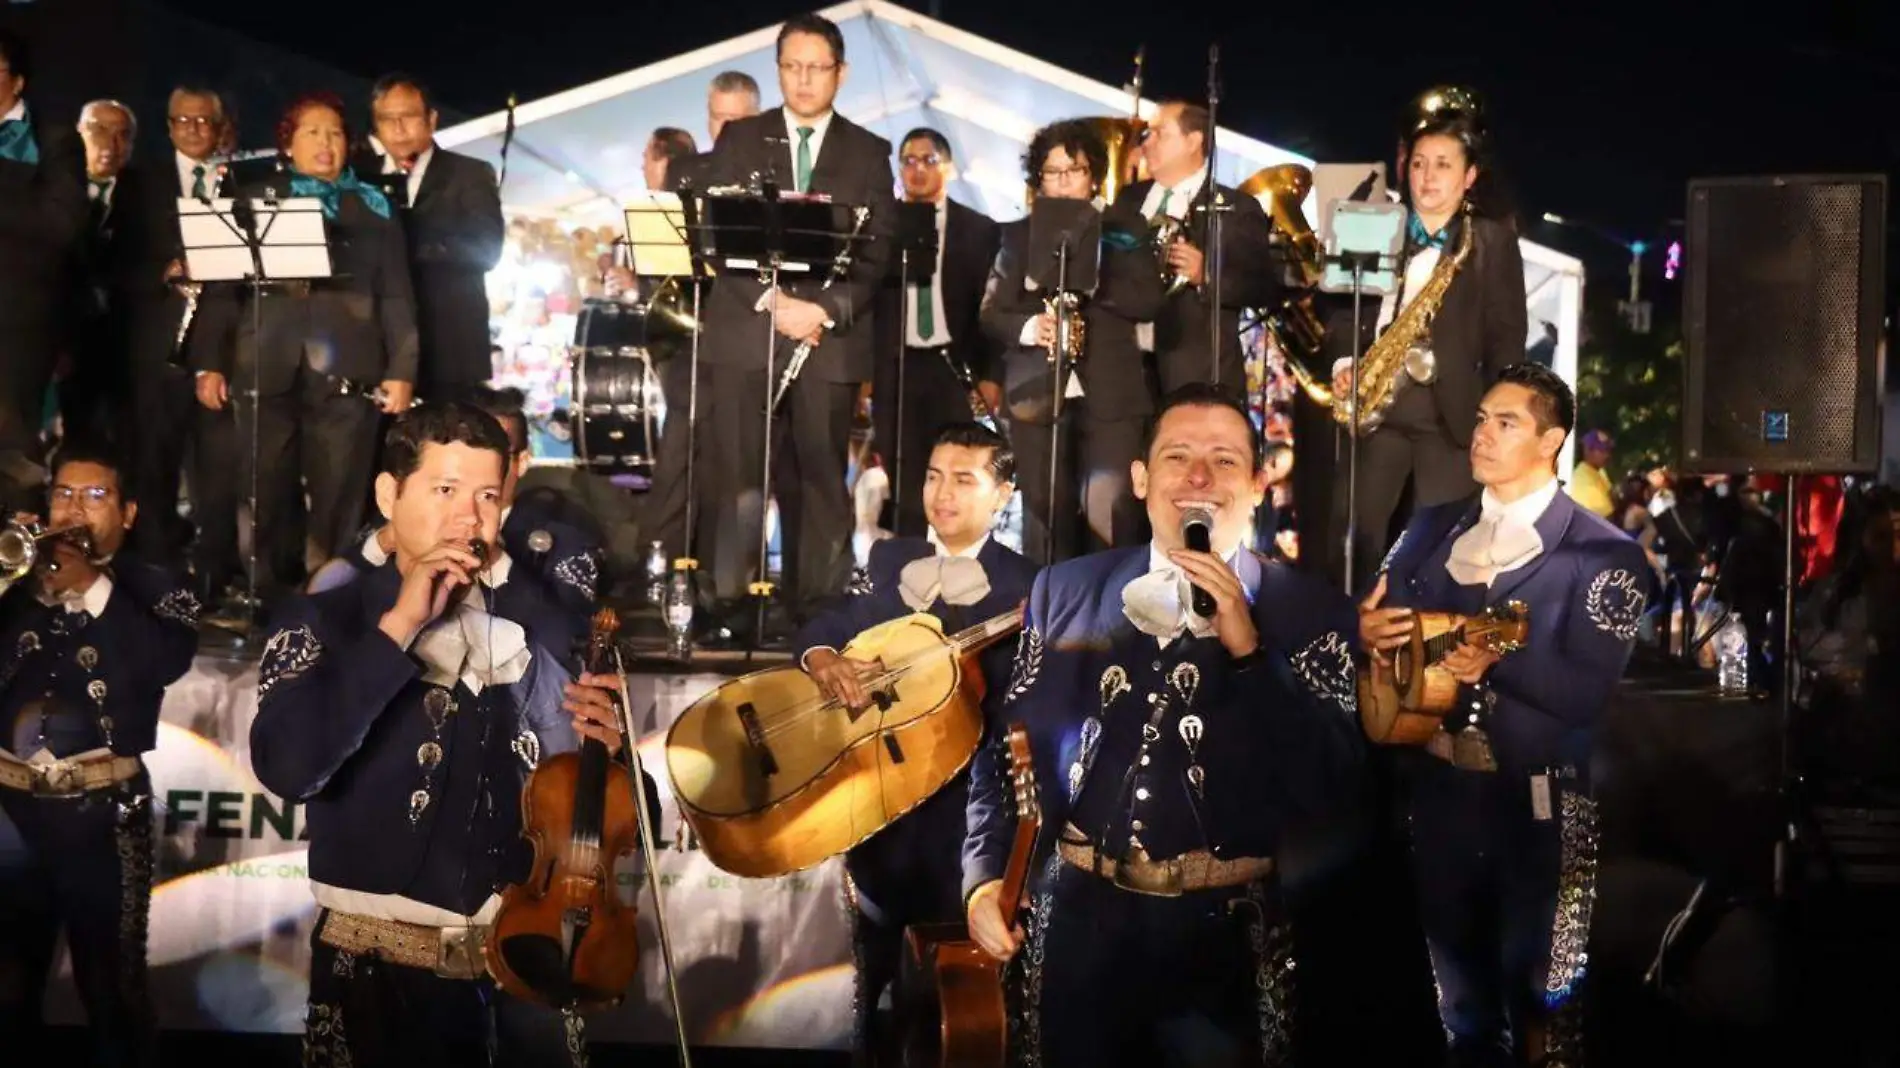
[[577, 153]]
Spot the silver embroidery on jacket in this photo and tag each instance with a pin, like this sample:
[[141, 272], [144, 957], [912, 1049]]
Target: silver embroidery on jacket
[[288, 654], [1028, 664], [1614, 603], [580, 571], [1570, 932], [1325, 667], [1392, 554], [325, 1044], [179, 606]]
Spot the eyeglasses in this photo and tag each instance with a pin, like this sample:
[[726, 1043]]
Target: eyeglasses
[[86, 496], [931, 160], [798, 71], [1065, 172], [198, 122]]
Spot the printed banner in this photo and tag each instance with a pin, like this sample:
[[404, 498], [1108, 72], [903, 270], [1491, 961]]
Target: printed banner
[[762, 962]]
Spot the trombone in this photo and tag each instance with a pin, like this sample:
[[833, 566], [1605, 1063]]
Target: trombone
[[23, 547]]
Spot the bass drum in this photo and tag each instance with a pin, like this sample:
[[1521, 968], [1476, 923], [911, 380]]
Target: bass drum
[[661, 323], [614, 410]]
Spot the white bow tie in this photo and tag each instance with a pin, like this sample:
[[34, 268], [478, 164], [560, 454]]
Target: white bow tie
[[1153, 603], [474, 648], [1492, 547], [959, 580]]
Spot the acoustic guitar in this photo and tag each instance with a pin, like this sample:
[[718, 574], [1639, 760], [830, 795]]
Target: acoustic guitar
[[959, 1016], [1404, 702], [773, 776]]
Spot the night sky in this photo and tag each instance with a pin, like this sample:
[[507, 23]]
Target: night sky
[[1601, 112]]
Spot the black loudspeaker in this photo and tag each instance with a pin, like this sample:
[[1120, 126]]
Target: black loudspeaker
[[1785, 280]]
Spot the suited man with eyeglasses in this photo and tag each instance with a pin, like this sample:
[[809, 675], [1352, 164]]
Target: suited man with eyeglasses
[[805, 147], [909, 872]]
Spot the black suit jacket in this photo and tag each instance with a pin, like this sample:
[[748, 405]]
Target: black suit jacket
[[1480, 329], [1114, 374], [853, 167], [455, 234], [970, 241], [1249, 279], [363, 318], [43, 215]]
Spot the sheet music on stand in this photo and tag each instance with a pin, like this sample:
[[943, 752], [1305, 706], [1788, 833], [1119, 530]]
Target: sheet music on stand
[[656, 236], [739, 233], [1368, 236], [292, 243]]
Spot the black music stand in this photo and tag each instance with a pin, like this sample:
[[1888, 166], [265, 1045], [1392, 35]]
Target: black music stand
[[917, 251], [263, 242], [765, 236], [1065, 246], [1363, 242]]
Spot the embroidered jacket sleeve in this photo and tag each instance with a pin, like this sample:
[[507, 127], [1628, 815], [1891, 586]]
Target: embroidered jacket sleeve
[[1572, 680], [990, 817], [1309, 742], [152, 615], [570, 570], [854, 615], [320, 689]]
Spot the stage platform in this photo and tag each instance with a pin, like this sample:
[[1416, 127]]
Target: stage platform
[[1687, 786]]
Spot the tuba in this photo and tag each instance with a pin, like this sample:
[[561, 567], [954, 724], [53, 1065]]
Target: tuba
[[1296, 325], [1403, 351]]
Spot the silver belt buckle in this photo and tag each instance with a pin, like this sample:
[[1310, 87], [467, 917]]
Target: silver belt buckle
[[459, 953], [59, 777]]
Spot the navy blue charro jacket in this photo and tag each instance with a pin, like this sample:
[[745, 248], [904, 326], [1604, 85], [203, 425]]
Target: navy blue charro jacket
[[1278, 739], [1585, 593], [342, 716], [142, 641]]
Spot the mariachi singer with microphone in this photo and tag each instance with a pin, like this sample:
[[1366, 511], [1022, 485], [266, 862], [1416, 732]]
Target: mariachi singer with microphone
[[1172, 747]]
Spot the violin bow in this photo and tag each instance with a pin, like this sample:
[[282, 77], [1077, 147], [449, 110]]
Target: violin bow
[[648, 855]]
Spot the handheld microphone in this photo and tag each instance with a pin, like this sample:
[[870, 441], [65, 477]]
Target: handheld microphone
[[1197, 530]]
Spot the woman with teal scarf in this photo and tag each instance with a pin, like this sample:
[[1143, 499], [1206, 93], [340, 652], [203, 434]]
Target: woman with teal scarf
[[304, 345]]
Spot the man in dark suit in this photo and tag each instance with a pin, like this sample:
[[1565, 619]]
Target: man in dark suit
[[92, 395], [1173, 748], [43, 208], [1502, 816], [1109, 395], [454, 226], [733, 94], [805, 147], [164, 415], [1176, 150], [933, 327], [907, 873]]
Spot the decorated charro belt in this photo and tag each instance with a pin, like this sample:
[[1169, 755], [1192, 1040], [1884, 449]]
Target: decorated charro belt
[[66, 778], [450, 952], [1199, 870], [1468, 750]]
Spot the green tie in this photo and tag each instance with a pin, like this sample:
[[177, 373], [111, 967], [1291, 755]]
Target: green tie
[[804, 158], [1166, 195], [198, 182], [926, 314]]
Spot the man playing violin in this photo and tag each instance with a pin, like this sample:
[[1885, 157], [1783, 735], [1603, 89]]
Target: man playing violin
[[88, 642], [1503, 824], [1183, 706], [406, 709], [908, 873]]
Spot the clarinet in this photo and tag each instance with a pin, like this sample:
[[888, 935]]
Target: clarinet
[[840, 265]]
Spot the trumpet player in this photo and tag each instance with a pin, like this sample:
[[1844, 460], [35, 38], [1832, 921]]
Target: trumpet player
[[92, 637], [1175, 204], [1107, 393]]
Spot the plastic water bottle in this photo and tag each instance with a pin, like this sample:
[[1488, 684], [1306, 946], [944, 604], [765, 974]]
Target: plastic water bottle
[[656, 573], [1731, 657], [679, 613]]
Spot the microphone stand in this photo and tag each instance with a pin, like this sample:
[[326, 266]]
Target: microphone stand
[[1061, 361], [761, 587], [687, 561], [246, 220], [1211, 260], [903, 350]]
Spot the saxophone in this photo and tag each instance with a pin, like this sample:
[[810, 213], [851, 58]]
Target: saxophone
[[1403, 352]]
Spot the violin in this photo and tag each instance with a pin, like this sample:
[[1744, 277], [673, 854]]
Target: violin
[[562, 937]]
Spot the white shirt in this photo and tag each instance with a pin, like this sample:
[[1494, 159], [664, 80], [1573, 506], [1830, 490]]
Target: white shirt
[[1418, 271], [817, 142], [1504, 539], [95, 192], [415, 173], [940, 329], [92, 602], [18, 114], [1526, 510], [1180, 196], [185, 166]]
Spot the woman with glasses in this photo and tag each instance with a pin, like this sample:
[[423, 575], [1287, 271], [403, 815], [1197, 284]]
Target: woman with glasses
[[1107, 392], [325, 356]]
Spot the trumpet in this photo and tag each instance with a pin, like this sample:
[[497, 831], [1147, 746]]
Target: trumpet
[[1071, 330], [22, 547], [1165, 231]]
